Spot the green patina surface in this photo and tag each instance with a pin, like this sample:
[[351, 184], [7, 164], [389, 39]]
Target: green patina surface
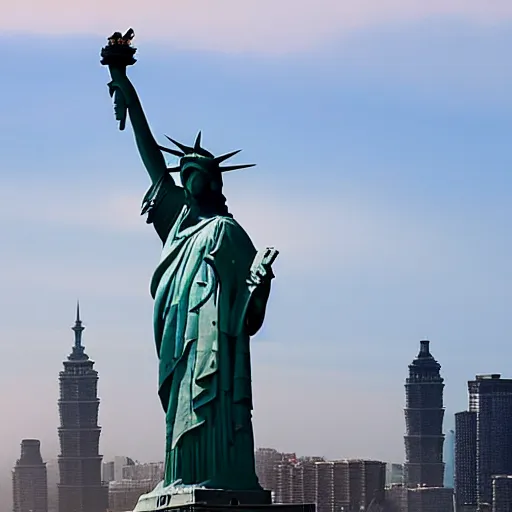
[[209, 296]]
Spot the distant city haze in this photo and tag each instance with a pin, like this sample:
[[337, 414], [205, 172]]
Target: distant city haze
[[383, 177]]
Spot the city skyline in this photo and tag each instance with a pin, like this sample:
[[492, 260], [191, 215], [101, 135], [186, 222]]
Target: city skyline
[[78, 327], [391, 134]]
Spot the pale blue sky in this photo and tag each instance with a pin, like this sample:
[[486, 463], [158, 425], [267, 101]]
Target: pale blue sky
[[383, 177]]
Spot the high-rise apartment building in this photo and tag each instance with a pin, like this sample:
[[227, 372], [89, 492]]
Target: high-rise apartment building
[[124, 494], [465, 461], [419, 499], [128, 480], [267, 460], [334, 486], [29, 481], [153, 471], [332, 491], [490, 397], [396, 498], [424, 413], [367, 480], [430, 499], [112, 471], [285, 481], [502, 493], [81, 488]]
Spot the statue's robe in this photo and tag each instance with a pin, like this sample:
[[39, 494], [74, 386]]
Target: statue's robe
[[202, 295]]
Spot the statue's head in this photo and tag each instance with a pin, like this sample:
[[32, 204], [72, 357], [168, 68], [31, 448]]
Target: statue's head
[[199, 175], [200, 171]]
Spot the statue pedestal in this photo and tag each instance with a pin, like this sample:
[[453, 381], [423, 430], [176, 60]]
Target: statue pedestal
[[197, 499], [285, 507]]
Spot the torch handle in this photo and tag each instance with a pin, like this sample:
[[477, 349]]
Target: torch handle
[[120, 108]]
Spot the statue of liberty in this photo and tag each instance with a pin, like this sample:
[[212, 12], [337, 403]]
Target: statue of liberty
[[210, 292]]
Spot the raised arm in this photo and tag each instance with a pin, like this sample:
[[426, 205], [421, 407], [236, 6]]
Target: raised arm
[[149, 150], [118, 55]]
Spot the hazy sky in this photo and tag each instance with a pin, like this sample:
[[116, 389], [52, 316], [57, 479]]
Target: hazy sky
[[382, 137]]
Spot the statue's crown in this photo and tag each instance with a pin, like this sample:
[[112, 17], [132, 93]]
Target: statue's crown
[[201, 158]]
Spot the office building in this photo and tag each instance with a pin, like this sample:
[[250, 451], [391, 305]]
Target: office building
[[465, 461], [29, 480], [334, 486], [490, 397], [80, 488], [424, 413], [502, 493], [399, 498]]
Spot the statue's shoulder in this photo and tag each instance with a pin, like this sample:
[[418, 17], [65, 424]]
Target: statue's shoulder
[[163, 203], [229, 225], [231, 232]]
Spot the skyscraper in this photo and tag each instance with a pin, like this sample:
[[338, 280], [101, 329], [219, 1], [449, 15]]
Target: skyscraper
[[465, 461], [29, 483], [334, 486], [424, 414], [490, 397], [449, 459], [80, 488], [501, 493]]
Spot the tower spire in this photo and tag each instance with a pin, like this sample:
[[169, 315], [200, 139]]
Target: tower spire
[[78, 328]]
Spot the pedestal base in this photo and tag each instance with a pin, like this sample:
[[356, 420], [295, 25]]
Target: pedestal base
[[285, 507], [192, 499]]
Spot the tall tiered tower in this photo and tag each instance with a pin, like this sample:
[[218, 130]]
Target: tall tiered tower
[[424, 413], [29, 483], [80, 487]]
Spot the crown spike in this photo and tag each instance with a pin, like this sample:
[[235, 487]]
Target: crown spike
[[235, 167], [175, 168], [171, 151], [197, 143], [185, 149], [221, 158]]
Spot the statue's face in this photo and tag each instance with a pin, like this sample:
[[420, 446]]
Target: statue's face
[[196, 183], [200, 183]]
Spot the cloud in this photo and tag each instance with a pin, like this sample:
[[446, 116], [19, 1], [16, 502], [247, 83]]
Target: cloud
[[268, 26]]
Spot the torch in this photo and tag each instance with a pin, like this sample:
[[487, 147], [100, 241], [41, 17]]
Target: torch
[[117, 55]]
